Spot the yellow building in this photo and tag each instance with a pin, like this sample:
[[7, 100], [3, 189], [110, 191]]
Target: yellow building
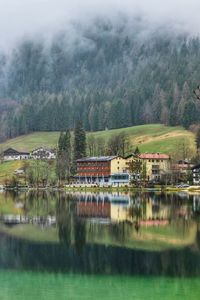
[[117, 165], [152, 165]]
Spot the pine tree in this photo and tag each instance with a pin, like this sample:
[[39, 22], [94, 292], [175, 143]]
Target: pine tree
[[189, 114], [173, 117], [137, 151], [79, 141], [67, 142], [64, 142], [63, 162], [67, 149]]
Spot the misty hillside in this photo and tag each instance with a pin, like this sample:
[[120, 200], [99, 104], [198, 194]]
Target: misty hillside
[[108, 74]]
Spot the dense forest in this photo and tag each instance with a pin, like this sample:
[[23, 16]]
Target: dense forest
[[106, 74]]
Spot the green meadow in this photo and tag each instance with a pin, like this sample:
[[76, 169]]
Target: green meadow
[[149, 138]]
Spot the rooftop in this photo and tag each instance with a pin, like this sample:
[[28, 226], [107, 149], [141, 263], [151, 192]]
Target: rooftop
[[154, 156], [10, 151], [96, 158]]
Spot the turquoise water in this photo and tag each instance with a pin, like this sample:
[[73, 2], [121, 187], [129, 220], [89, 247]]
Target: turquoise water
[[94, 246], [43, 286]]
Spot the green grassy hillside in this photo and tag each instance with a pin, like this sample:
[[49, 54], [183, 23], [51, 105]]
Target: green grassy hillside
[[149, 138], [155, 138]]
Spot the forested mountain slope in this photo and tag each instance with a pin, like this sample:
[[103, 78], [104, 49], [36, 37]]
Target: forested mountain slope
[[108, 74]]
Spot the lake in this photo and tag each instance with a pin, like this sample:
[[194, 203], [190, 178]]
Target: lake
[[99, 246]]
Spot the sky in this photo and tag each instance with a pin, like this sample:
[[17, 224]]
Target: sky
[[21, 18]]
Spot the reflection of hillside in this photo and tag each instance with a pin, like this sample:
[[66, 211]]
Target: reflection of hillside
[[149, 238], [9, 203], [95, 259], [32, 233], [142, 221]]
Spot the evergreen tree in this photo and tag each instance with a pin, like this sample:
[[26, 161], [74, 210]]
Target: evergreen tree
[[61, 142], [115, 80], [189, 114], [64, 141], [63, 161], [68, 150], [137, 151], [173, 118], [67, 142], [79, 141]]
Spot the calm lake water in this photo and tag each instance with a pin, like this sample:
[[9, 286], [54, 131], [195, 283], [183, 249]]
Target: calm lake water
[[99, 246]]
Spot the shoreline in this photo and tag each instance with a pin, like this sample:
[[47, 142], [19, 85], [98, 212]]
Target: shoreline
[[189, 190]]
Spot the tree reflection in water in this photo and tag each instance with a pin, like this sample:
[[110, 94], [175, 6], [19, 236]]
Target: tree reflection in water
[[71, 229], [155, 234]]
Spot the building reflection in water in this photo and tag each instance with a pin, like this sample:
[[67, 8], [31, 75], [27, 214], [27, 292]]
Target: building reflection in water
[[148, 209], [144, 233]]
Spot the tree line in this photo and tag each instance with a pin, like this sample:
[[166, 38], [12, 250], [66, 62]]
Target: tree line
[[108, 78]]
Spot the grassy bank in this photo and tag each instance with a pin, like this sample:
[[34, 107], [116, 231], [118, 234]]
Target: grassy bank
[[36, 167], [8, 168]]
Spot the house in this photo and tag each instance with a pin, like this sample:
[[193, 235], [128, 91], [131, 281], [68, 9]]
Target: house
[[182, 169], [43, 153], [99, 170], [196, 174], [12, 154], [152, 165], [183, 166], [157, 164]]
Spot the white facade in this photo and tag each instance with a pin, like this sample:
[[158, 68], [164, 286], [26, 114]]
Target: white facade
[[12, 154], [42, 153], [16, 157]]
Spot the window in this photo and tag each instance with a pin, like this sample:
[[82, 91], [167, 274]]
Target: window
[[155, 172]]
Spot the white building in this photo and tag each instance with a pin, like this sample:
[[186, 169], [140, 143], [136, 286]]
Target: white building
[[43, 153], [12, 154]]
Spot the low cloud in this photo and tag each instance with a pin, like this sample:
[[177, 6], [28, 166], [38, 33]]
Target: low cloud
[[20, 18]]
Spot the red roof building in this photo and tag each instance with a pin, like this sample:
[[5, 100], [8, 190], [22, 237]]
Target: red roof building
[[156, 165], [153, 156]]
